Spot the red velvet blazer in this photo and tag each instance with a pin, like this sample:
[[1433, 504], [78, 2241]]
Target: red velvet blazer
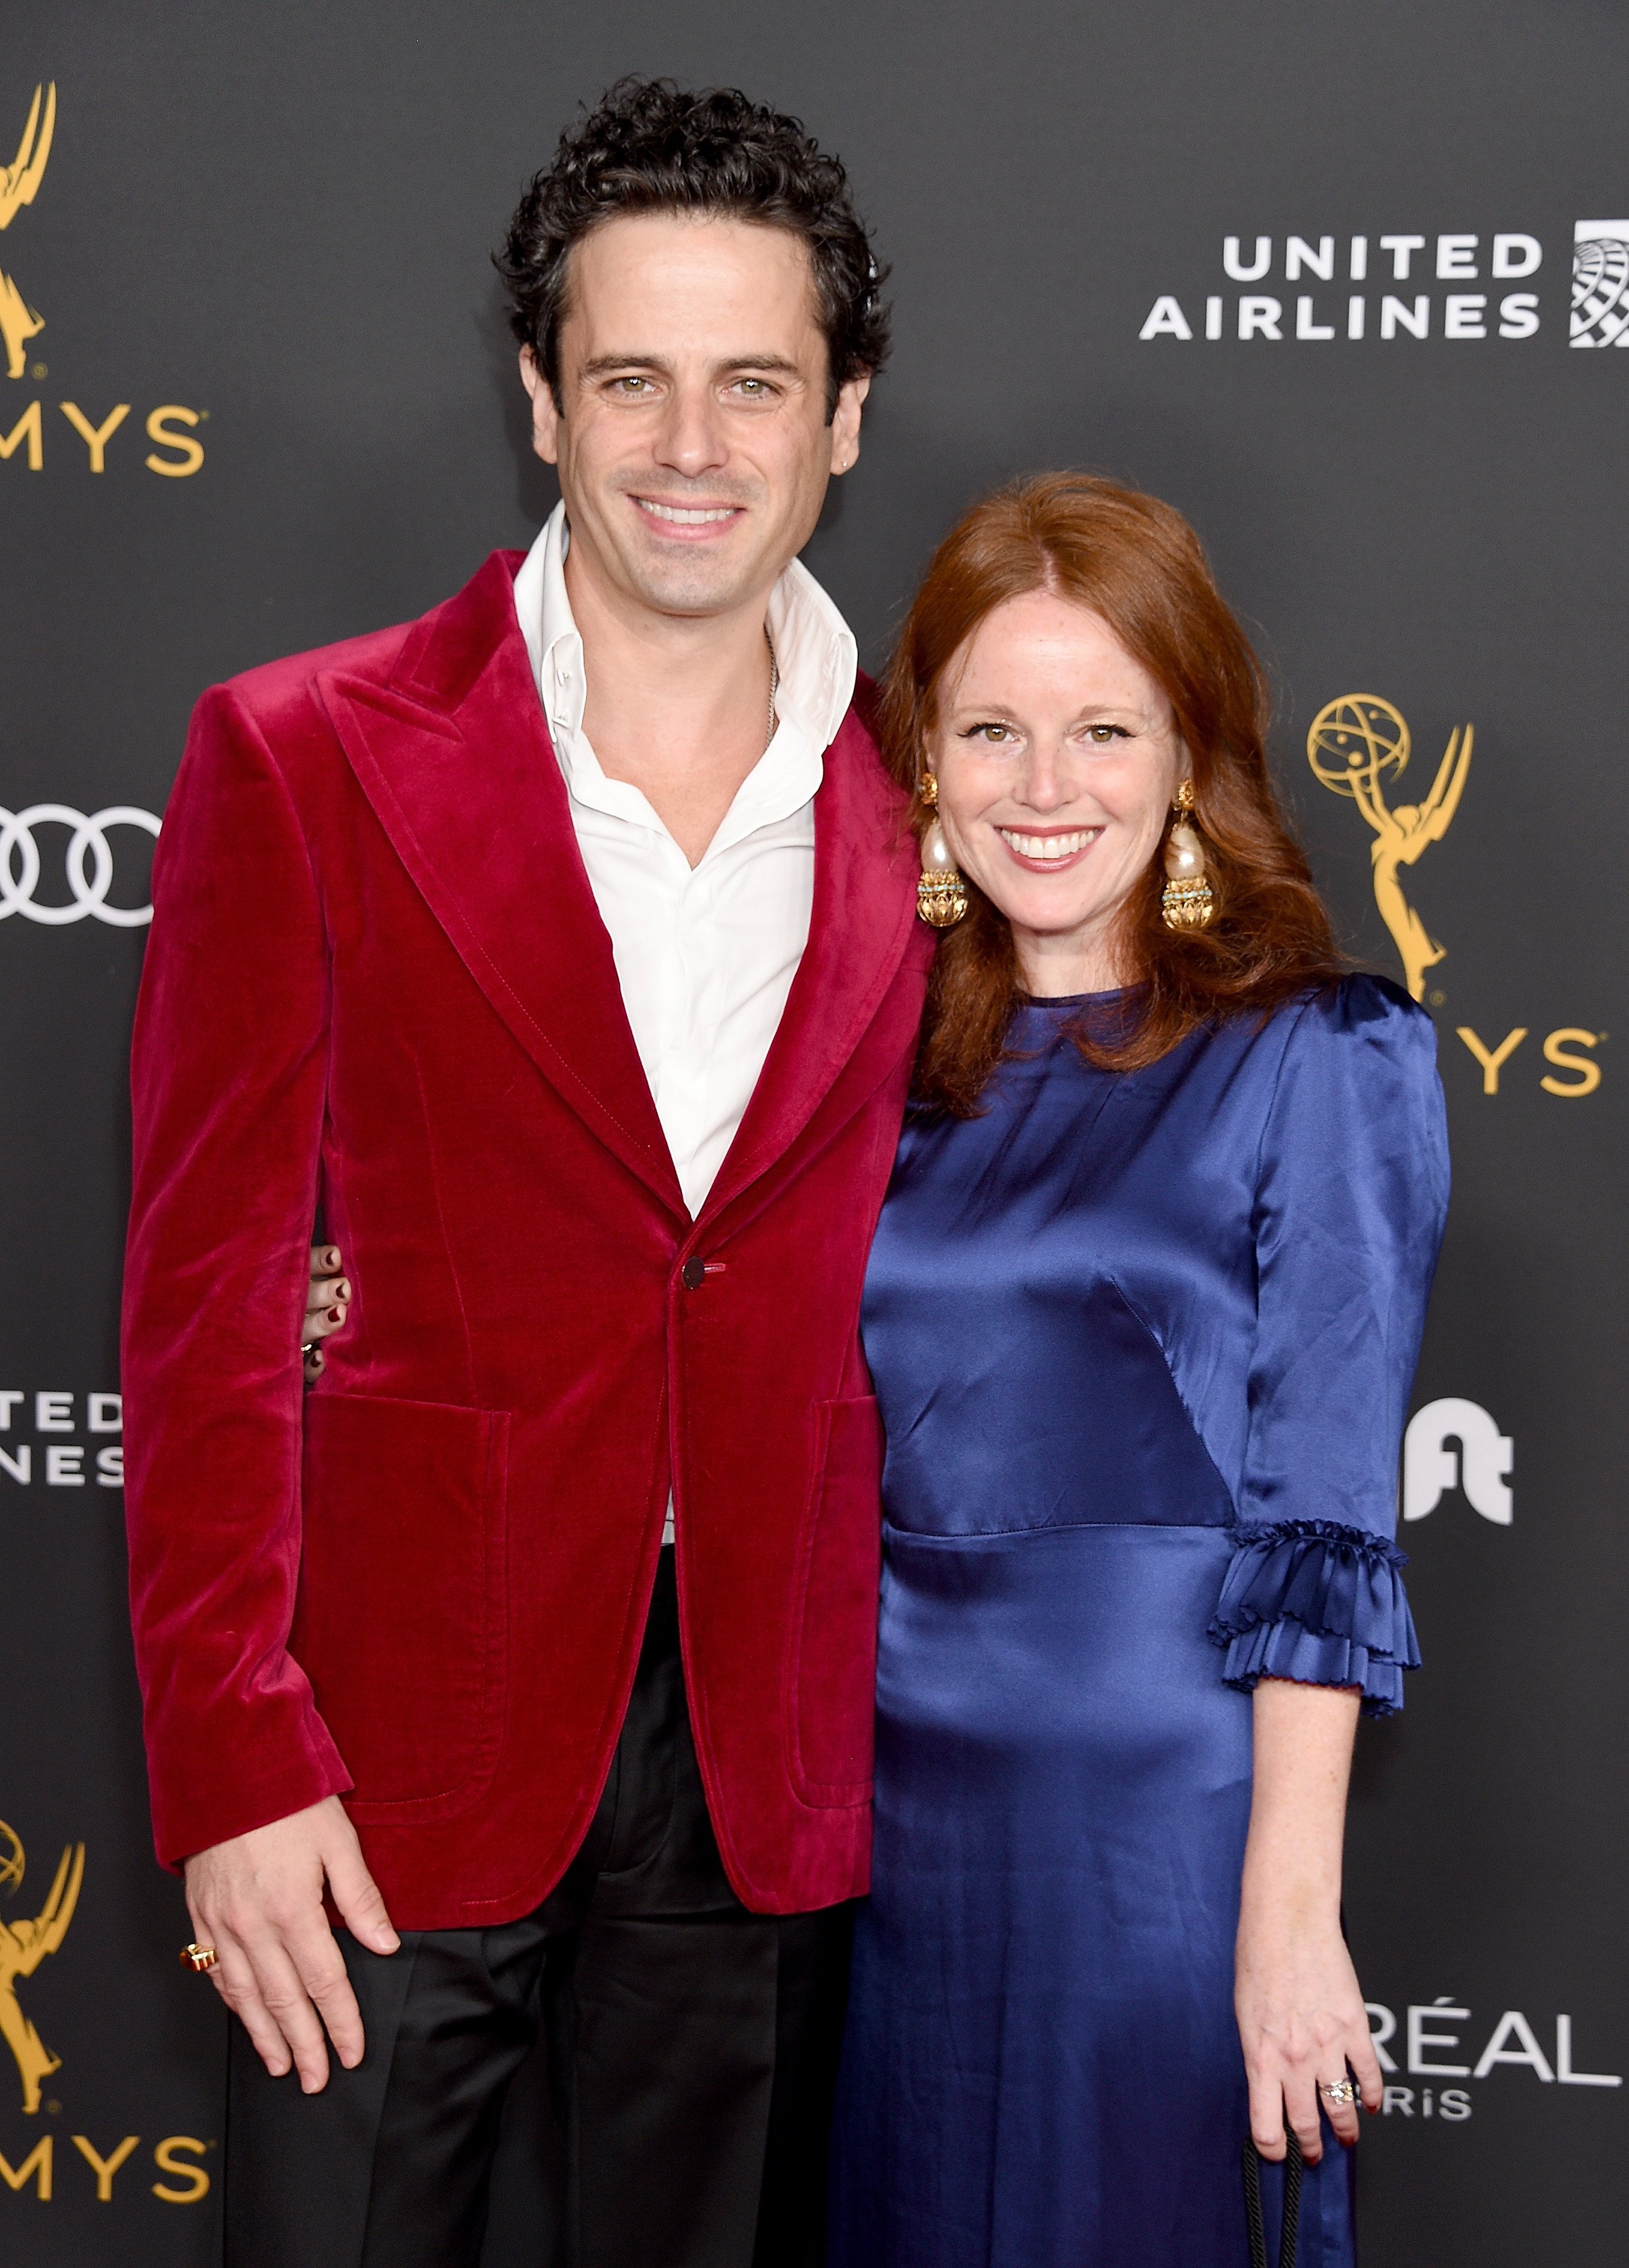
[[377, 980]]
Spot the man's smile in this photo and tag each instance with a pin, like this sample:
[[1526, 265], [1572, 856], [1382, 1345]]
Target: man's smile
[[690, 520]]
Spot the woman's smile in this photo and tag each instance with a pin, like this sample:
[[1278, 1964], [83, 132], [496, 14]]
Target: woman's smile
[[1042, 851]]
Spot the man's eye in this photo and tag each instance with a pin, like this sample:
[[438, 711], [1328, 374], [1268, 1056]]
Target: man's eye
[[756, 389], [635, 385]]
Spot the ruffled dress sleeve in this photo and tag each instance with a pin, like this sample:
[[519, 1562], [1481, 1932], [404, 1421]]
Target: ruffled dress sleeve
[[1351, 1195]]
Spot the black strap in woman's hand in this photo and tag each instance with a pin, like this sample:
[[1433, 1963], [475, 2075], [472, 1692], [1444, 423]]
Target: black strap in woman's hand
[[1292, 2205]]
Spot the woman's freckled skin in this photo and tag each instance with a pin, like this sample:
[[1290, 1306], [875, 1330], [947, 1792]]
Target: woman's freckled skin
[[1058, 759]]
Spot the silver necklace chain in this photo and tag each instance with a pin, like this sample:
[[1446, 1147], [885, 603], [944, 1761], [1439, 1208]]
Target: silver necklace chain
[[774, 683]]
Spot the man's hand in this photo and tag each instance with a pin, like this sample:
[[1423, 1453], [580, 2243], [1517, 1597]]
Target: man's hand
[[258, 1901]]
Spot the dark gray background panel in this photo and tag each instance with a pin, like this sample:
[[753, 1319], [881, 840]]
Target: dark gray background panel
[[279, 218]]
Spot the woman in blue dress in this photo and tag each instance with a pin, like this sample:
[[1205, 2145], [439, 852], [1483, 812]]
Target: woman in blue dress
[[1143, 1313]]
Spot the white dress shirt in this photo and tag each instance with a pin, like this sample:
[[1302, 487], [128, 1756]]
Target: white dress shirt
[[705, 955]]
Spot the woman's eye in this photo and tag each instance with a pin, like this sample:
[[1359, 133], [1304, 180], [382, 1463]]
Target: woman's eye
[[1101, 734], [997, 734]]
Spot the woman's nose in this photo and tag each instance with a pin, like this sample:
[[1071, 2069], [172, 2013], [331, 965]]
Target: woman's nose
[[1045, 787]]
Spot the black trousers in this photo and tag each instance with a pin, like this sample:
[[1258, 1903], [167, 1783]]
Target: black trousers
[[638, 2075]]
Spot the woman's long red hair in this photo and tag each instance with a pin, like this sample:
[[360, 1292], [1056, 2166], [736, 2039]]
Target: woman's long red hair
[[1136, 563]]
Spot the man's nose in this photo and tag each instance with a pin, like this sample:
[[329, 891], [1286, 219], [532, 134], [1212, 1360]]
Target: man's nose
[[692, 439]]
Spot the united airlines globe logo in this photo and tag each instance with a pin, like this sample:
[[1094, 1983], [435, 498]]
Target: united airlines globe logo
[[1601, 283]]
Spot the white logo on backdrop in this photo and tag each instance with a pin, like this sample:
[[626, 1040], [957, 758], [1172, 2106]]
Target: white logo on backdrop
[[1601, 283], [1441, 2040], [61, 1463], [88, 847], [1362, 287], [1455, 1444]]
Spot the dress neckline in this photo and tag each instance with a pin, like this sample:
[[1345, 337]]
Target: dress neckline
[[1072, 999]]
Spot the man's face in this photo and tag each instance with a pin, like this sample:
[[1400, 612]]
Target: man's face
[[693, 447]]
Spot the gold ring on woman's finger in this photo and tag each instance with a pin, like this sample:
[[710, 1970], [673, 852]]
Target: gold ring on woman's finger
[[200, 1959], [1338, 2091]]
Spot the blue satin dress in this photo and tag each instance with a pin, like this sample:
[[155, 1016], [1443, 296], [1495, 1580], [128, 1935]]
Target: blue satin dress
[[1142, 1343]]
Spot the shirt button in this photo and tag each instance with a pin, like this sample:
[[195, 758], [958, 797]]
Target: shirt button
[[693, 1272]]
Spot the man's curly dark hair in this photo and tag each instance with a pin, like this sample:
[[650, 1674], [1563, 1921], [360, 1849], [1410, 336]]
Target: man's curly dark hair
[[652, 147]]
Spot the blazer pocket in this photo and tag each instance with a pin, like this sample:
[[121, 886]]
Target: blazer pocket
[[400, 1621], [835, 1659]]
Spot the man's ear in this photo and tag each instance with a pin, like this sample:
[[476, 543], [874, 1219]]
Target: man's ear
[[845, 422], [545, 415]]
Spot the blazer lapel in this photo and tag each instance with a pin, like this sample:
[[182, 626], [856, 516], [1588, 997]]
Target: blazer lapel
[[455, 759], [862, 926]]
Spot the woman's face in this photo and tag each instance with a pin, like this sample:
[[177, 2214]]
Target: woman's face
[[1057, 758]]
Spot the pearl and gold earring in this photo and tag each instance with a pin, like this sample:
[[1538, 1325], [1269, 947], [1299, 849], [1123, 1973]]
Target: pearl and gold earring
[[1187, 901], [941, 893]]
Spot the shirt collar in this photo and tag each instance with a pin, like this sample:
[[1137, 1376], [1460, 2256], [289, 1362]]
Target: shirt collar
[[815, 651]]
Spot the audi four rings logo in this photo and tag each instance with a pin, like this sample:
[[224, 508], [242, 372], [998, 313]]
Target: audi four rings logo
[[89, 862]]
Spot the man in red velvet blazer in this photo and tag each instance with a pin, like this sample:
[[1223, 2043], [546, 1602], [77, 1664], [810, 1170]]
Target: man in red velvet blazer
[[584, 1019]]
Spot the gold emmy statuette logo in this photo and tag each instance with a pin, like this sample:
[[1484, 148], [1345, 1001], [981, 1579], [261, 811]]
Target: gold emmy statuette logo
[[1352, 745], [24, 1945], [19, 184]]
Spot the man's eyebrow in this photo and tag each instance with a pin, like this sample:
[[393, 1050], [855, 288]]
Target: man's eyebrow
[[764, 362], [604, 365]]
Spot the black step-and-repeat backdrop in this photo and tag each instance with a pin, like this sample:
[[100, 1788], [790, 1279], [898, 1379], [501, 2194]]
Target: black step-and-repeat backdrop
[[1343, 283]]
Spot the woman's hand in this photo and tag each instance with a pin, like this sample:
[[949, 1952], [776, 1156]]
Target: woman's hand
[[1301, 2020], [327, 1306], [1301, 2023]]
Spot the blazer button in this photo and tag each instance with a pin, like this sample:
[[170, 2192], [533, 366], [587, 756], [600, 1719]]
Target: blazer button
[[693, 1272]]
